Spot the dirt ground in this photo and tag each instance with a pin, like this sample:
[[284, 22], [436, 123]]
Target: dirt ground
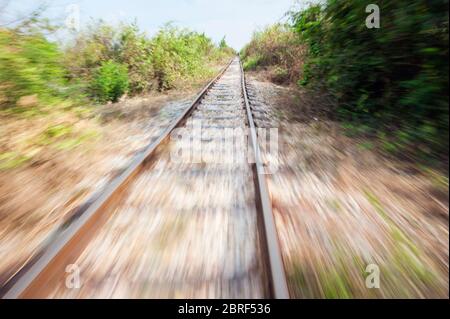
[[341, 208], [71, 157]]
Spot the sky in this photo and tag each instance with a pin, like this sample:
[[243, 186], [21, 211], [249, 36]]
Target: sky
[[234, 19]]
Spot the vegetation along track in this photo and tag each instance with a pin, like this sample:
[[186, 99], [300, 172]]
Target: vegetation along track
[[170, 228]]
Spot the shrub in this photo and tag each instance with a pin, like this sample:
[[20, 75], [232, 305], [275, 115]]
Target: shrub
[[91, 47], [394, 78], [102, 61], [110, 81], [280, 75], [30, 65], [134, 51], [224, 49], [157, 63], [276, 46], [179, 53], [251, 62]]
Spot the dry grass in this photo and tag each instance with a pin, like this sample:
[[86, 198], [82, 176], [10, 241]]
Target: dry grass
[[276, 53], [340, 207]]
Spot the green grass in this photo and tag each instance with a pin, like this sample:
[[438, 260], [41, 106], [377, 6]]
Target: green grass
[[73, 142], [52, 134], [251, 63], [377, 205], [335, 286], [366, 146], [11, 160], [439, 180], [406, 255], [61, 137]]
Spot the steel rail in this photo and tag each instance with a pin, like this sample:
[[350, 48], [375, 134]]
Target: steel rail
[[34, 275], [279, 287]]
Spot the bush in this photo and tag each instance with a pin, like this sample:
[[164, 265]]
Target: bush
[[103, 62], [251, 62], [275, 46], [30, 65], [110, 81], [179, 53], [134, 51], [157, 63], [124, 44], [280, 75], [394, 78]]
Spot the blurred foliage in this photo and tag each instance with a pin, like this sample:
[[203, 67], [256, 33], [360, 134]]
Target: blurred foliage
[[179, 53], [393, 79], [135, 53], [100, 43], [110, 81], [390, 83], [31, 70], [46, 80], [102, 62], [276, 46], [156, 63], [10, 160]]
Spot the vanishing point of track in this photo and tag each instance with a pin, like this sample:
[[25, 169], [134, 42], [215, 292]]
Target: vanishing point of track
[[258, 272]]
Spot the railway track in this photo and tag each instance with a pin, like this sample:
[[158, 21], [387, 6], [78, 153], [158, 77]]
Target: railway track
[[170, 228]]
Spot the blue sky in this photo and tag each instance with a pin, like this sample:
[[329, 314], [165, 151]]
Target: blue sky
[[235, 19]]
